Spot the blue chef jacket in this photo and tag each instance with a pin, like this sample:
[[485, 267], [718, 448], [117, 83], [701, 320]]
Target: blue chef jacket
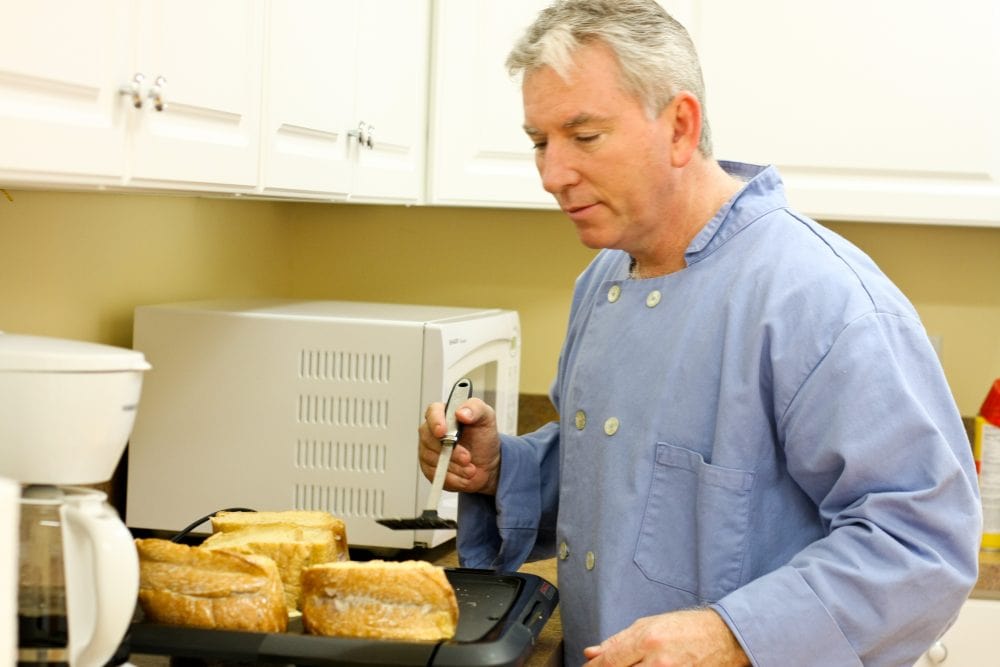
[[767, 431]]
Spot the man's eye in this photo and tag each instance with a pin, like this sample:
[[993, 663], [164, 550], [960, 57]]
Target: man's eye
[[587, 138], [539, 145]]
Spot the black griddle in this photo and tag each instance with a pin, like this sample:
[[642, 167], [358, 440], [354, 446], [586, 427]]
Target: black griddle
[[499, 618]]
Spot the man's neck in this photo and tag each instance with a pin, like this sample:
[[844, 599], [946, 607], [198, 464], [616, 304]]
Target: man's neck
[[702, 189]]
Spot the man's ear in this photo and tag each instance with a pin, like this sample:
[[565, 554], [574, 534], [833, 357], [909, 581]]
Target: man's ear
[[684, 115]]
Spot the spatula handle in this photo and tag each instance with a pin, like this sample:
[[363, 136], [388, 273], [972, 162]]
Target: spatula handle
[[460, 393]]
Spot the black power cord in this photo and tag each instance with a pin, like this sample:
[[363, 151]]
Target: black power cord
[[187, 529]]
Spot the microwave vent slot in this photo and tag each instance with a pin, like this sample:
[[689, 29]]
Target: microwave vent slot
[[353, 411], [337, 366], [340, 501], [356, 457]]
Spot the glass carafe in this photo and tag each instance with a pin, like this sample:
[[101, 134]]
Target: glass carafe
[[78, 578]]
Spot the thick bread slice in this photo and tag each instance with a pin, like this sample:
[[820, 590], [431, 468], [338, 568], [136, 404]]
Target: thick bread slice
[[194, 587], [294, 539], [225, 522], [408, 600], [292, 548]]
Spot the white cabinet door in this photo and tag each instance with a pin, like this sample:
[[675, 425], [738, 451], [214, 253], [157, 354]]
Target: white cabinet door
[[971, 641], [61, 117], [345, 99], [209, 54], [879, 111], [64, 119], [309, 74], [392, 71], [479, 153]]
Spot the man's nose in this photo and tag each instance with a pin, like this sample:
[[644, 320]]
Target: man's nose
[[556, 168]]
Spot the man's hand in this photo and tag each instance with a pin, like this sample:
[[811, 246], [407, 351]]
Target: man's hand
[[475, 461], [689, 637]]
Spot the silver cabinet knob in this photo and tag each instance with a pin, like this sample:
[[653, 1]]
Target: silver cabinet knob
[[363, 134], [156, 93], [133, 89]]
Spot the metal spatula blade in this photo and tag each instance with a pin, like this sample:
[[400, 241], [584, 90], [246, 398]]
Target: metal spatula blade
[[429, 518]]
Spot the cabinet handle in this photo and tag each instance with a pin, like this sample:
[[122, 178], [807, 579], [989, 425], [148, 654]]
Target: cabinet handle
[[133, 89], [363, 134], [156, 93]]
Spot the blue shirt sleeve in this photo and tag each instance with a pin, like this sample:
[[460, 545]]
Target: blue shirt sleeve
[[518, 524]]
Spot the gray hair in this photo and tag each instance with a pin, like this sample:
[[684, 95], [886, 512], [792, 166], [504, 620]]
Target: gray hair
[[655, 53]]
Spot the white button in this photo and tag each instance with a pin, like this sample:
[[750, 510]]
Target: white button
[[611, 425], [563, 551], [580, 419], [591, 560], [614, 293], [653, 298]]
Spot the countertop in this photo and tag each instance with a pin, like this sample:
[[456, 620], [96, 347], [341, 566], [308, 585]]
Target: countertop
[[988, 584]]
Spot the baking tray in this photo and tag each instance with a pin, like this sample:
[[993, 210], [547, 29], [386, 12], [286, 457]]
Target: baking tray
[[499, 618]]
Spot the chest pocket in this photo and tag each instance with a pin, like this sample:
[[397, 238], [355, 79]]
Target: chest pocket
[[693, 535]]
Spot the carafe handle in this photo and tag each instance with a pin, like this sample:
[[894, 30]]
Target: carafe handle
[[102, 580]]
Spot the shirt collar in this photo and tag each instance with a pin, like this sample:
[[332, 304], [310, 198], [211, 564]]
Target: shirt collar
[[761, 193]]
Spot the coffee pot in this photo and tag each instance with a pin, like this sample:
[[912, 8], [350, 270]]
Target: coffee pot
[[66, 412]]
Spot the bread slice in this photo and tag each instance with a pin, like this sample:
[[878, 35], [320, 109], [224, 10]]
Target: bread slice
[[194, 587], [225, 522], [293, 539], [408, 600]]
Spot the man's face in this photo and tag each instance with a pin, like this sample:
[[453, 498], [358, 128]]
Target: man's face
[[598, 152]]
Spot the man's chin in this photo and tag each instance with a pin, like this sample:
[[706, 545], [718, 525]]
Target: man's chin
[[593, 237]]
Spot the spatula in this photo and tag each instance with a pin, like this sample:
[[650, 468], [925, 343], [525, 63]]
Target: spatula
[[429, 518]]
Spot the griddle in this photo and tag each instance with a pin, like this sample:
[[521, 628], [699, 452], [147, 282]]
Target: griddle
[[499, 618]]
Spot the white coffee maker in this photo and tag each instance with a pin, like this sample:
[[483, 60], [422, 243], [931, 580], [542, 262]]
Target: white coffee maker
[[66, 413]]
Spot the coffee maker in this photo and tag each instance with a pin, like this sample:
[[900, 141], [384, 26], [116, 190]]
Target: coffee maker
[[66, 413]]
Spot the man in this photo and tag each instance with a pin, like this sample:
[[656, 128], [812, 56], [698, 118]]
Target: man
[[758, 459]]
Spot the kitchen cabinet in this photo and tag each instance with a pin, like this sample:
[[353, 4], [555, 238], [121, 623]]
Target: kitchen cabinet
[[160, 94], [209, 53], [61, 118], [479, 154], [345, 99], [881, 111], [873, 111], [971, 641]]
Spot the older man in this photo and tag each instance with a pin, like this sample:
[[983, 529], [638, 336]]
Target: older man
[[758, 459]]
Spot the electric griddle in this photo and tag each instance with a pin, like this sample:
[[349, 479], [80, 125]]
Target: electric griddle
[[499, 618]]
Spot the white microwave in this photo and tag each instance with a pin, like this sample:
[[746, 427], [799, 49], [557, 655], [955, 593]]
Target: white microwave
[[310, 405]]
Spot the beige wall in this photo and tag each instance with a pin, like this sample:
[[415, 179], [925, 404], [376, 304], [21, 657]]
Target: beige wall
[[76, 264]]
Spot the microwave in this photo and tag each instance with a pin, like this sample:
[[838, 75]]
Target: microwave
[[305, 405]]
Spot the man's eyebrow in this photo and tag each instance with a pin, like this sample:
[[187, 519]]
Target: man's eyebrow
[[575, 121], [580, 119]]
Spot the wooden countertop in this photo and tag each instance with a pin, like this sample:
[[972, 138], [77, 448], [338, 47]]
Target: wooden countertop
[[988, 584]]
